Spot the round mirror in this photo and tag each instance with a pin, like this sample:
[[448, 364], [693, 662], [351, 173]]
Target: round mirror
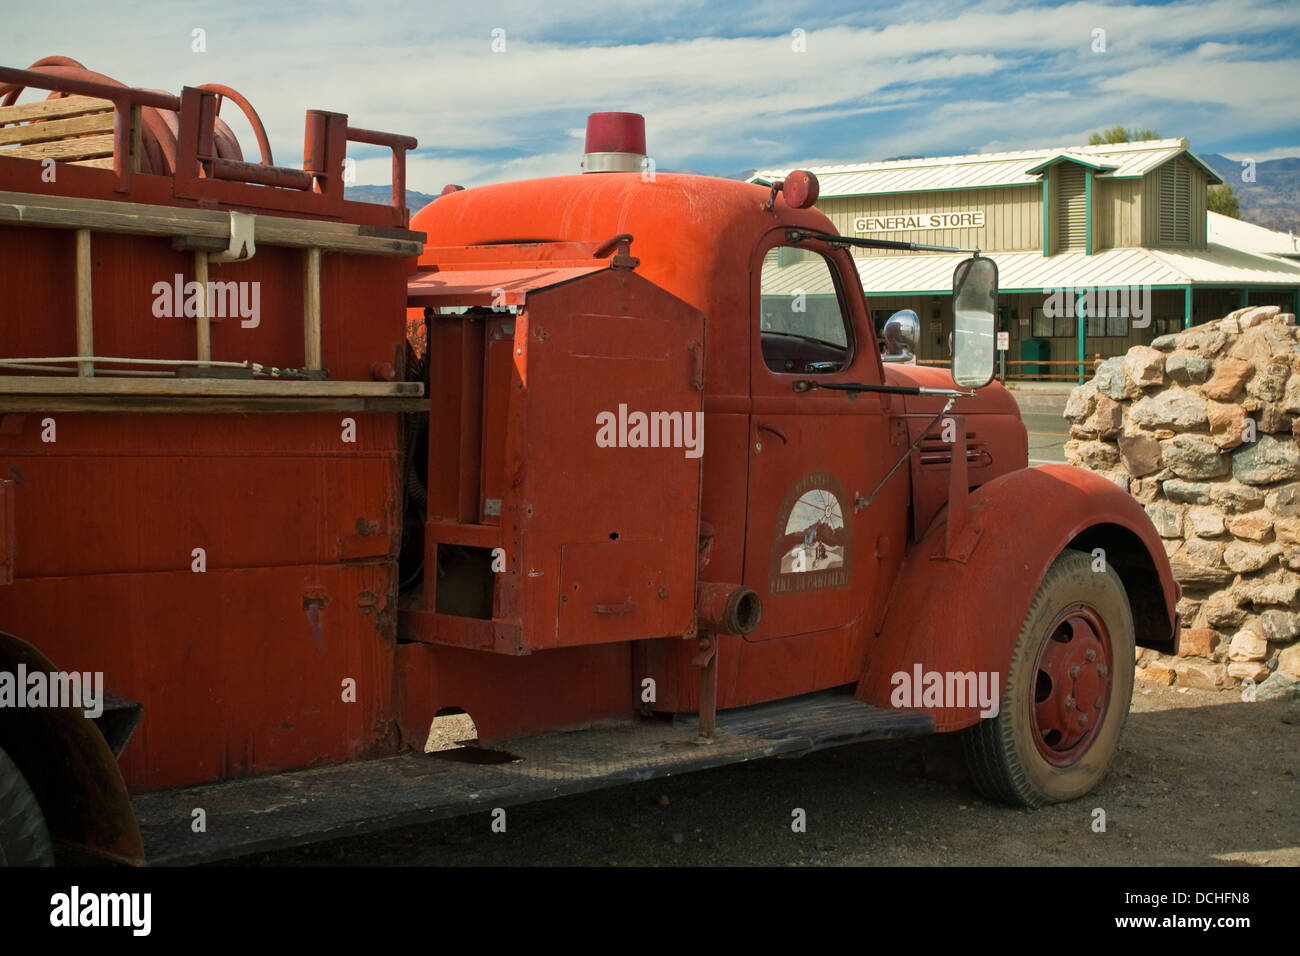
[[901, 332]]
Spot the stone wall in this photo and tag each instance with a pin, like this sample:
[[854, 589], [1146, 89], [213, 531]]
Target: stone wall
[[1200, 427]]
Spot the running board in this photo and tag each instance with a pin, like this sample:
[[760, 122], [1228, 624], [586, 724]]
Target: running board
[[280, 810]]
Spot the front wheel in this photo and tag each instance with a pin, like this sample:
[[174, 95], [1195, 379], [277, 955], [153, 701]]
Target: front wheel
[[1068, 690]]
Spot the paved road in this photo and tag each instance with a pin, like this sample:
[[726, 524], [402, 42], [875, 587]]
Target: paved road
[[1048, 430]]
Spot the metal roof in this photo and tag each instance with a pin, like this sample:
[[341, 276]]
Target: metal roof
[[1237, 234], [1033, 272], [976, 170]]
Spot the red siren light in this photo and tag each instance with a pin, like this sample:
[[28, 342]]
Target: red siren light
[[800, 189], [615, 143]]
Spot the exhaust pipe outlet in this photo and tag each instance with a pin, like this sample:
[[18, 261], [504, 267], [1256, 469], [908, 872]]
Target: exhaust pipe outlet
[[727, 608]]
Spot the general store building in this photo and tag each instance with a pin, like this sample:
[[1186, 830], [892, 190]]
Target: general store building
[[1123, 226]]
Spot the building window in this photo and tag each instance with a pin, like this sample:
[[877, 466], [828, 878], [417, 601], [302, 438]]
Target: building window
[[1101, 326], [1072, 206], [802, 321], [1175, 187]]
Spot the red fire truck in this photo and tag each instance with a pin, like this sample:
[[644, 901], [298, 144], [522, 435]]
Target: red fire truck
[[315, 520]]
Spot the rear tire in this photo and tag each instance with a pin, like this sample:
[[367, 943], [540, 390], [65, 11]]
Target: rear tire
[[1068, 691], [24, 838]]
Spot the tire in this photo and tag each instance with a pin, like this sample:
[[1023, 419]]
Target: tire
[[1076, 640], [24, 838]]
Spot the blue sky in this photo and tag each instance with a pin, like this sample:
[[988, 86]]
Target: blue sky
[[722, 85]]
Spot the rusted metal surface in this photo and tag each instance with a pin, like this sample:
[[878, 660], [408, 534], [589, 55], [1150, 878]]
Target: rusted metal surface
[[1070, 706], [294, 808]]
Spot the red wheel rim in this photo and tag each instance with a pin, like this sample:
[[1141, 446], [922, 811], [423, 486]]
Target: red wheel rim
[[1072, 685]]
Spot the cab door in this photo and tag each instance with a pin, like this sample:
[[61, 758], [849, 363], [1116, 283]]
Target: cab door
[[815, 555]]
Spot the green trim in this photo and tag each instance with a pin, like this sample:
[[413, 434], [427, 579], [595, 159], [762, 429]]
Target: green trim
[[1047, 242], [1066, 158], [1083, 333], [1243, 297], [1087, 212], [1187, 307]]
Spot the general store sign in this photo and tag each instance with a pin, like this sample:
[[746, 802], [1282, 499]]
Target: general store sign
[[970, 219]]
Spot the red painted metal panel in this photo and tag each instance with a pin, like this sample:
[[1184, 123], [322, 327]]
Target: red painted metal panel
[[500, 287]]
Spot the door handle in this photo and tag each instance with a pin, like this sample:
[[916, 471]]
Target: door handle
[[768, 427]]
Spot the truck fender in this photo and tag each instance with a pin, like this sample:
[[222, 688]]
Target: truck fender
[[72, 770], [963, 614]]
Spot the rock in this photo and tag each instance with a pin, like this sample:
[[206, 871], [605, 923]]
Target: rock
[[1227, 423], [1270, 419], [1248, 670], [1247, 646], [1288, 662], [1291, 397], [1188, 492], [1195, 673], [1177, 408], [1107, 418], [1287, 530], [1206, 339], [1081, 402], [1112, 382], [1197, 642], [1278, 686], [1244, 558], [1187, 369], [1205, 522], [1140, 453], [1192, 574], [1234, 496], [1279, 627], [1266, 461], [1269, 382], [1218, 611], [1145, 366], [1144, 492], [1168, 520], [1094, 455], [1165, 343], [1228, 378], [1208, 553], [1256, 526], [1284, 501], [1277, 588], [1156, 672], [1188, 456], [1253, 317]]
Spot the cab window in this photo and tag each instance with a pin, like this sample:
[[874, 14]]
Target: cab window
[[802, 322]]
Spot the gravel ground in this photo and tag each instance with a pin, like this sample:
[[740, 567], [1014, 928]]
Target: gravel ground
[[1200, 779]]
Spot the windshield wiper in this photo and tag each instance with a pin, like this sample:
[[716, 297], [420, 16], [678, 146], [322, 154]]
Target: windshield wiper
[[799, 235]]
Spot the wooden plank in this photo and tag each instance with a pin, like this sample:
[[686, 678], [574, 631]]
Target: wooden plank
[[104, 162], [85, 147], [56, 129], [102, 215], [85, 314], [52, 385], [50, 109], [311, 308], [203, 330], [206, 404]]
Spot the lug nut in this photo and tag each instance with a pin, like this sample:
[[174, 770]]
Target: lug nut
[[1074, 672], [1069, 703], [1083, 720], [1103, 670], [1096, 704], [1090, 655]]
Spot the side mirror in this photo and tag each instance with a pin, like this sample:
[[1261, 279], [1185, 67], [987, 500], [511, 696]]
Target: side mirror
[[974, 304], [900, 334]]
